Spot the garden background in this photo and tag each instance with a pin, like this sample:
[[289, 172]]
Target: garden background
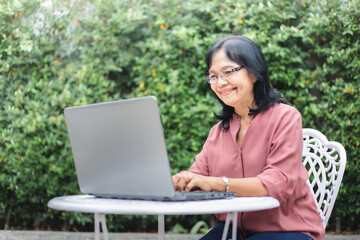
[[60, 53]]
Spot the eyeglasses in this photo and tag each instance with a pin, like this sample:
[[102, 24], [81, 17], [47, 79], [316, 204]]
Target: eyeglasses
[[224, 75]]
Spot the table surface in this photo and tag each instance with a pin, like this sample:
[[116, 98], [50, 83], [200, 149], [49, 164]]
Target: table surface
[[92, 204]]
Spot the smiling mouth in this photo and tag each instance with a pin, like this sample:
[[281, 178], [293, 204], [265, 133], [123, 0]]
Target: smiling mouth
[[226, 92]]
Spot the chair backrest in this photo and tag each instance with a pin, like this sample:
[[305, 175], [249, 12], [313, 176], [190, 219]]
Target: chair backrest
[[325, 162]]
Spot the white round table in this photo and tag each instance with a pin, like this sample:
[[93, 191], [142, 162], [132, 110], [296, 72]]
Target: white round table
[[102, 206]]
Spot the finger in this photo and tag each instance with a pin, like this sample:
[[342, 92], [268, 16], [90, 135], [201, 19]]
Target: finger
[[193, 185], [181, 185], [175, 179], [177, 182], [181, 180], [190, 186]]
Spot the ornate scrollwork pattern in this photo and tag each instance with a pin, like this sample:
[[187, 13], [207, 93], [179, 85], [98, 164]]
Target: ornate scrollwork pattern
[[322, 160]]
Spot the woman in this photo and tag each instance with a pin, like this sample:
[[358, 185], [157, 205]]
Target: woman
[[255, 150]]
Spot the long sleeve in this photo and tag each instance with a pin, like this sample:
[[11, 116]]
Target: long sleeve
[[283, 166], [200, 166]]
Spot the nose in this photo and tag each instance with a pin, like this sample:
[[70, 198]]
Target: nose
[[221, 81]]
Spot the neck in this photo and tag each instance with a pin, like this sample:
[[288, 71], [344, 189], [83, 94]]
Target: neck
[[243, 113]]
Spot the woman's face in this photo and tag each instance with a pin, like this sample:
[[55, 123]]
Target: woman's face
[[237, 90]]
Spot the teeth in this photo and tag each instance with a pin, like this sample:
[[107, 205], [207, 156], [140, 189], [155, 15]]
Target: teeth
[[227, 91]]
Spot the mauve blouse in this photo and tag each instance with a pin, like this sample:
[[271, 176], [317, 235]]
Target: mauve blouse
[[272, 151]]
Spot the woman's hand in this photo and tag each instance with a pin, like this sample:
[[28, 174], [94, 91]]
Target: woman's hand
[[244, 187], [188, 181], [181, 180]]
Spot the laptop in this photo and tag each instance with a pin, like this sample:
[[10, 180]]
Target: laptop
[[119, 151]]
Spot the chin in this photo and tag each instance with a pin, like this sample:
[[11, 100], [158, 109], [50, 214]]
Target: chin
[[228, 102]]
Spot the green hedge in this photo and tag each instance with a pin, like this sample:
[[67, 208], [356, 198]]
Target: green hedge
[[78, 52]]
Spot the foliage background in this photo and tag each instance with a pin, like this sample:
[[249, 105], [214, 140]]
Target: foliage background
[[63, 53]]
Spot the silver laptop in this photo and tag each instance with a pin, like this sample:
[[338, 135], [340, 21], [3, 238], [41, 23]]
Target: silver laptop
[[119, 151]]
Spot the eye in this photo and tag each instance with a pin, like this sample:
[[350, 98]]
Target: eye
[[213, 76], [227, 72]]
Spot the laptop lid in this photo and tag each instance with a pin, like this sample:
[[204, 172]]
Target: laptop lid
[[119, 149]]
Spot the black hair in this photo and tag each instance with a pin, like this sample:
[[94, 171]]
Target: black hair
[[245, 52]]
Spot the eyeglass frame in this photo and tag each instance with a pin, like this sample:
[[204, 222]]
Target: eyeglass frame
[[223, 74]]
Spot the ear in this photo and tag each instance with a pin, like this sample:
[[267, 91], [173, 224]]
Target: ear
[[252, 77]]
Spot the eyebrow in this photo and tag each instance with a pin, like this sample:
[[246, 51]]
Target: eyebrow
[[222, 68]]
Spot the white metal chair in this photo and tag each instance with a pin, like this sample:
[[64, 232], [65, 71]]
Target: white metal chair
[[325, 162]]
